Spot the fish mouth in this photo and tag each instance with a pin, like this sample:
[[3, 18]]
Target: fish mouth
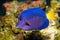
[[18, 27]]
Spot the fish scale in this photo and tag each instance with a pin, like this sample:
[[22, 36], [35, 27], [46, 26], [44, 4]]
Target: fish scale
[[37, 21]]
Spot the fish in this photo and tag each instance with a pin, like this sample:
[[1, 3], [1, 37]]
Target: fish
[[32, 19]]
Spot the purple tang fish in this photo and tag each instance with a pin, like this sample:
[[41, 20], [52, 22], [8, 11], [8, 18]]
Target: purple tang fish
[[32, 19]]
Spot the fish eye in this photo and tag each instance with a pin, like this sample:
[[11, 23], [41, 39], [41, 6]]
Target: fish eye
[[20, 19]]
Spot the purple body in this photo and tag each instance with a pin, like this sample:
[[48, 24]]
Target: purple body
[[32, 19]]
